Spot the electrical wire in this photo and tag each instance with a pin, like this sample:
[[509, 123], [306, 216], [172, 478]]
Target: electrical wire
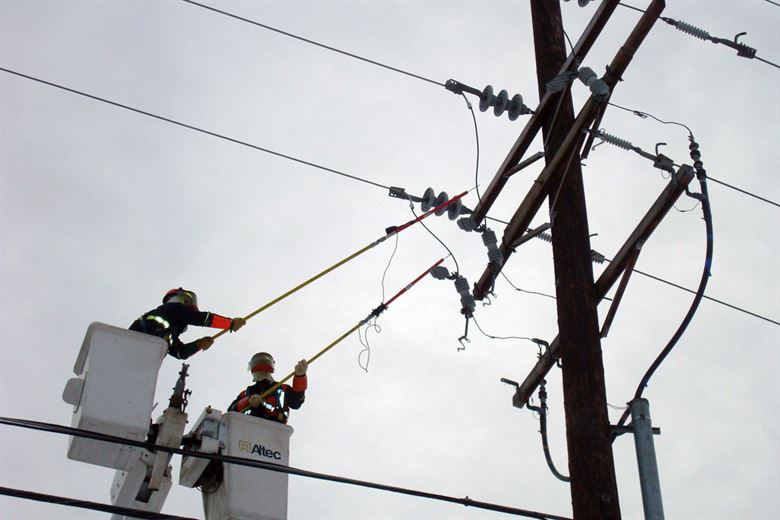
[[645, 115], [312, 42], [66, 430], [476, 136], [499, 337], [705, 276], [84, 504], [704, 35], [455, 260], [371, 324], [740, 309], [192, 127], [541, 410], [773, 3], [390, 261], [523, 290], [366, 181]]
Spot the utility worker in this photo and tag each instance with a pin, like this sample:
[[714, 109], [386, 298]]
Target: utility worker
[[170, 320], [276, 406]]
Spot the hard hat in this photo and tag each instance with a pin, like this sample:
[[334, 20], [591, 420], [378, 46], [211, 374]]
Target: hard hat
[[262, 366], [181, 296]]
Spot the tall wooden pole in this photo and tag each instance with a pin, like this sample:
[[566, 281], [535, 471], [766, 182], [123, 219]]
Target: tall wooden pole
[[591, 465]]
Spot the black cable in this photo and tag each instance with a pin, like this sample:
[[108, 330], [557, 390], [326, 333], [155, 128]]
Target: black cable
[[312, 42], [191, 127], [66, 430], [773, 3], [705, 276], [83, 504], [542, 411]]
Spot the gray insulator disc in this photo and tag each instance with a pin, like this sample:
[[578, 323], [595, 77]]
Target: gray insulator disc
[[441, 199], [428, 199], [502, 102], [453, 210], [486, 99], [515, 107]]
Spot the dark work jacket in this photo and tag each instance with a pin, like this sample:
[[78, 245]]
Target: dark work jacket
[[277, 405], [170, 320]]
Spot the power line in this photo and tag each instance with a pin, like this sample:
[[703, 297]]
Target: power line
[[773, 203], [645, 115], [742, 49], [312, 42], [308, 163], [66, 430], [740, 309], [191, 127], [773, 3], [84, 504]]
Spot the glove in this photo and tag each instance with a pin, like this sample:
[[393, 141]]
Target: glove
[[255, 400], [204, 343], [300, 367], [237, 323]]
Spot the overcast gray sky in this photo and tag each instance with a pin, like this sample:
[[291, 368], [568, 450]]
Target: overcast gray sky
[[103, 210]]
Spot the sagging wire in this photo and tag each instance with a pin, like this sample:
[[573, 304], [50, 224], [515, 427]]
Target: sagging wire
[[378, 310], [476, 135], [516, 288], [363, 338], [703, 197], [389, 232], [541, 410], [454, 260], [645, 115], [390, 261], [522, 338]]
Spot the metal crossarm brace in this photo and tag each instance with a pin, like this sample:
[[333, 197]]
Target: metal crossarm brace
[[641, 233]]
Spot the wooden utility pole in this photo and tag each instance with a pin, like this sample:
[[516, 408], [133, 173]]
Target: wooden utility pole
[[591, 465]]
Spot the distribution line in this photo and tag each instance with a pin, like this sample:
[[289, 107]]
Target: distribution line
[[312, 42], [393, 231], [84, 504], [75, 432], [191, 127], [644, 115], [740, 309], [374, 314], [366, 181], [698, 33]]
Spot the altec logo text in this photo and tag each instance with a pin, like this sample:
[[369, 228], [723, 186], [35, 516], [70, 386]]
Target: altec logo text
[[259, 449]]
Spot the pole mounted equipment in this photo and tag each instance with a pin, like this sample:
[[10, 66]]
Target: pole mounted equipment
[[501, 103]]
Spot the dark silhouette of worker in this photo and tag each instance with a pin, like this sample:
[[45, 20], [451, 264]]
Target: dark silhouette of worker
[[170, 320], [276, 406]]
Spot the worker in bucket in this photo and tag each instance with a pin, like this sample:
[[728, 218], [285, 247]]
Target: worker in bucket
[[170, 320], [276, 406]]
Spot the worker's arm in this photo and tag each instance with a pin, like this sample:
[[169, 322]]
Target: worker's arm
[[191, 316]]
